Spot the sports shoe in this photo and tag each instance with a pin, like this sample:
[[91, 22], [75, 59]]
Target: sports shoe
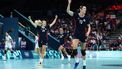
[[76, 65], [62, 58]]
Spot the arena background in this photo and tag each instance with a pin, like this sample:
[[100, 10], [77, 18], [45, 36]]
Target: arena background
[[14, 16]]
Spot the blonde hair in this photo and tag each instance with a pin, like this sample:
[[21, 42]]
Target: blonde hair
[[38, 22]]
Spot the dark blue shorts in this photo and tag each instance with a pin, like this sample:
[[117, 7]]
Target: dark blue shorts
[[42, 42], [81, 37], [2, 47], [61, 41]]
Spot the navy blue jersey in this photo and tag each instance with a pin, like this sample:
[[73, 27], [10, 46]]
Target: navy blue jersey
[[61, 38], [80, 24], [42, 32]]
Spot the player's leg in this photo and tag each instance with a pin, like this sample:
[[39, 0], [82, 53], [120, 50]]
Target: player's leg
[[83, 52], [11, 50], [64, 50], [75, 43], [60, 50], [37, 49], [40, 53], [5, 53], [43, 51]]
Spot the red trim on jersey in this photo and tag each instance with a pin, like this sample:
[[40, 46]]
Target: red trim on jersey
[[74, 23], [47, 36]]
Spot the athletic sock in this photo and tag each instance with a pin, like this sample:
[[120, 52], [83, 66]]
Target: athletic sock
[[84, 62], [40, 60]]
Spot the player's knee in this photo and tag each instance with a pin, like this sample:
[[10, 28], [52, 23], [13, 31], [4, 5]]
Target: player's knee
[[61, 47], [83, 52], [75, 52], [43, 47]]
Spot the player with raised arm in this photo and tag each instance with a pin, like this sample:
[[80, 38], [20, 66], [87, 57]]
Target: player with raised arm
[[81, 22]]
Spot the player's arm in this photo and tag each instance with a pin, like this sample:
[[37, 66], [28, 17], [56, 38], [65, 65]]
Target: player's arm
[[31, 21], [89, 30], [68, 8], [54, 21]]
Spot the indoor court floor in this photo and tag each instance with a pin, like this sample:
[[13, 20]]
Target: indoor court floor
[[92, 63]]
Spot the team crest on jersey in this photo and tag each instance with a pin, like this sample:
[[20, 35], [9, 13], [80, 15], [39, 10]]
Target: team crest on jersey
[[81, 21], [61, 36], [43, 29]]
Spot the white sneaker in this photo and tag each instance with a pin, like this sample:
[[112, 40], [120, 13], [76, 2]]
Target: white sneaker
[[4, 58], [62, 58], [40, 61]]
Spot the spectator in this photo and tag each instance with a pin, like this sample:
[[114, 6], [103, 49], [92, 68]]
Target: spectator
[[23, 44]]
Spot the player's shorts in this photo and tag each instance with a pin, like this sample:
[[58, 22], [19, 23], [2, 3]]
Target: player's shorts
[[81, 37], [61, 41], [8, 45], [2, 46], [42, 42]]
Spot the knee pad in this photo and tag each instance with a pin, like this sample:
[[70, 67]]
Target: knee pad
[[83, 52], [12, 52], [75, 52], [5, 51]]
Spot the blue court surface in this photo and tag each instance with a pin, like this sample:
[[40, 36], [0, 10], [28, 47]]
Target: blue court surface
[[92, 63]]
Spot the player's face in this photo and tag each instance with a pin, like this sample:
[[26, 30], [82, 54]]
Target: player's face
[[44, 23], [83, 9], [61, 30]]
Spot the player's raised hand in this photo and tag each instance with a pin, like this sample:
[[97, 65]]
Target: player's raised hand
[[29, 17], [56, 16], [69, 1]]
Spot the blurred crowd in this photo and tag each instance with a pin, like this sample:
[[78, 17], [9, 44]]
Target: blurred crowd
[[103, 24]]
